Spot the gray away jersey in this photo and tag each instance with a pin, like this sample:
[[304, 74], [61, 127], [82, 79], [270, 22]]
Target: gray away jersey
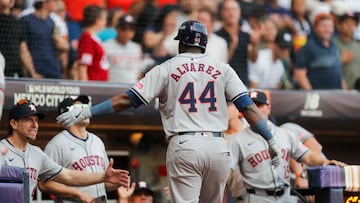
[[250, 152], [38, 164], [86, 155], [192, 90], [301, 133]]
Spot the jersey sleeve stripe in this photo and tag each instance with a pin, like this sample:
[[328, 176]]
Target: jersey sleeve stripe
[[300, 157], [55, 174], [238, 96], [242, 101], [135, 98]]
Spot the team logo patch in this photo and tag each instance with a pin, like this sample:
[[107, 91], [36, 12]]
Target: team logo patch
[[32, 107], [301, 135], [253, 95], [139, 85]]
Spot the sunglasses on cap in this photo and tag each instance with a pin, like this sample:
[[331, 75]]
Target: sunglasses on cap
[[24, 108], [22, 102]]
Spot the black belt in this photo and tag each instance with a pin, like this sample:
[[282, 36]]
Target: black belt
[[276, 192], [101, 199], [214, 134]]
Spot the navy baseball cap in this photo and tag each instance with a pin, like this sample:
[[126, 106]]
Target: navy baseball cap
[[24, 108], [126, 20], [143, 187], [258, 97], [284, 39], [69, 101]]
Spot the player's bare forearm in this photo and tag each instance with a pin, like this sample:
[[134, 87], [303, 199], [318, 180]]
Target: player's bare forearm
[[315, 159], [63, 191], [251, 114], [295, 166], [313, 145], [80, 178], [111, 187], [120, 102]]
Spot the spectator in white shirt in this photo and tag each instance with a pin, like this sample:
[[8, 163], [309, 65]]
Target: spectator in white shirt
[[216, 46], [124, 55], [268, 71]]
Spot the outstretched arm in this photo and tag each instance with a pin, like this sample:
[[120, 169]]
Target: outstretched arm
[[120, 102], [63, 191], [252, 114], [117, 103], [316, 159], [80, 178]]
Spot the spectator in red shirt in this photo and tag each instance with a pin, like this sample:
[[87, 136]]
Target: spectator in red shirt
[[92, 61], [74, 16]]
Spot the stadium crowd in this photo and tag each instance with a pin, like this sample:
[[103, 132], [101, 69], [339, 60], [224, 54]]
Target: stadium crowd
[[271, 44]]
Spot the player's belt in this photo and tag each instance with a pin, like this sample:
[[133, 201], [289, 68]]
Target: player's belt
[[277, 192], [101, 199], [214, 134]]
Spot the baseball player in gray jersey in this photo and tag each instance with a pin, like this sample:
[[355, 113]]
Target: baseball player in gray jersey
[[263, 182], [16, 151], [78, 149], [237, 123], [305, 137], [192, 89], [299, 172]]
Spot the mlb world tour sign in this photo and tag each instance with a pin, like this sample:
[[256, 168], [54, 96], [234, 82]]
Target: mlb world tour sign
[[46, 94]]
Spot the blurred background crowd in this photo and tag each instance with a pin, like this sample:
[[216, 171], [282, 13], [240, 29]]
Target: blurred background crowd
[[271, 44]]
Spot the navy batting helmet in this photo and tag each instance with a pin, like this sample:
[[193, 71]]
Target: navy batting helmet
[[192, 33]]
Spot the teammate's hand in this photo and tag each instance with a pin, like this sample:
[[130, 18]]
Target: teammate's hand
[[86, 198], [275, 152], [75, 114], [335, 162], [125, 193], [117, 176], [301, 182]]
